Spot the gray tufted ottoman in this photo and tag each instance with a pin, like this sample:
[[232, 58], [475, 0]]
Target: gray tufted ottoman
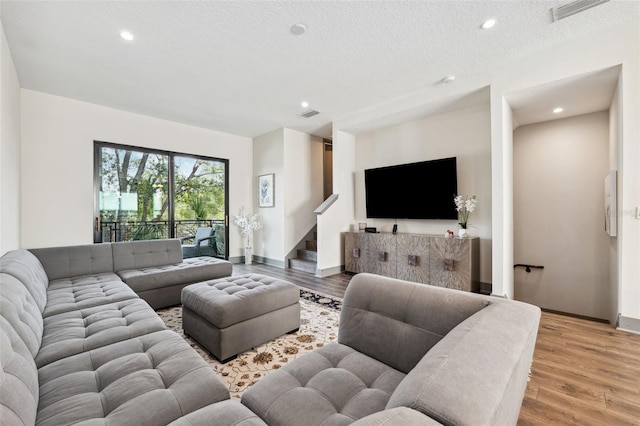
[[233, 314]]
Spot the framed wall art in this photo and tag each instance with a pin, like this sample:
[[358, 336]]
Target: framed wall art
[[266, 194]]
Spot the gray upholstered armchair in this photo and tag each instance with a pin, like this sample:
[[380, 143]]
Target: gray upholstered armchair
[[203, 243]]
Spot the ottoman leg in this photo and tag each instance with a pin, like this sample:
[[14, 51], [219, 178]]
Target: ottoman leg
[[231, 358]]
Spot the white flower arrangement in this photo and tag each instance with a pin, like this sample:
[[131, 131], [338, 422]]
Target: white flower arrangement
[[247, 222], [464, 208]]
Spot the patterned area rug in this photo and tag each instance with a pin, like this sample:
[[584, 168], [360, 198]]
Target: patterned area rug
[[319, 315]]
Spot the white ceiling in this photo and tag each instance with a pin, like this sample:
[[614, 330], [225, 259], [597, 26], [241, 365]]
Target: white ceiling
[[234, 66], [581, 94]]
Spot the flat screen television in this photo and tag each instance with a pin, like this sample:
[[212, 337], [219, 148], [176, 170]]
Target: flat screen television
[[423, 190]]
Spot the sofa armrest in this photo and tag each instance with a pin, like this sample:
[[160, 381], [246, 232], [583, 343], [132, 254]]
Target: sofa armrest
[[477, 374]]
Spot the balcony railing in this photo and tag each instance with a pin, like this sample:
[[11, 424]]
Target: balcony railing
[[111, 232]]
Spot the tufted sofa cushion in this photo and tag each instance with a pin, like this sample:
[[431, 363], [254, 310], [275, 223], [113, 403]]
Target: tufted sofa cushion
[[145, 254], [332, 385], [223, 413], [63, 262], [24, 266], [397, 322], [185, 272], [145, 380], [69, 294], [78, 331], [227, 301]]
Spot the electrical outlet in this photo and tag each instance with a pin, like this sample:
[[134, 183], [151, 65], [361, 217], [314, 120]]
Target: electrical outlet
[[637, 212]]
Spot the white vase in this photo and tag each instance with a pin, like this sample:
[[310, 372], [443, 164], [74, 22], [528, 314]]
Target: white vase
[[463, 233], [248, 252]]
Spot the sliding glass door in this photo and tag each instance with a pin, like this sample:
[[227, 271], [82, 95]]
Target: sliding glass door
[[144, 194], [200, 197]]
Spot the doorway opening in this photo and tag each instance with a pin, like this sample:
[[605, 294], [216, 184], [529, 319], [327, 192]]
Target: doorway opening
[[561, 157]]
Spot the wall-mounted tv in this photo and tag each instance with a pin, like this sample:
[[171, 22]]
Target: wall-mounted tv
[[423, 190]]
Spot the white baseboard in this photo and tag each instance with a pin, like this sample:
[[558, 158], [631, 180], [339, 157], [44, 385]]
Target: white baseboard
[[267, 261], [322, 273], [630, 325]]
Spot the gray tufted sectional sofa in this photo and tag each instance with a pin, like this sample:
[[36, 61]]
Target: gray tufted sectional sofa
[[408, 354], [78, 346], [154, 269]]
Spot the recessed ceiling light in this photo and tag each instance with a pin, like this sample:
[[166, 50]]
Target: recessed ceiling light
[[298, 29], [449, 79], [558, 110], [126, 35], [304, 104], [489, 23]]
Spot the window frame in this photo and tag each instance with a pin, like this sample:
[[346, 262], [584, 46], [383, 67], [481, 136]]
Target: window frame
[[98, 145]]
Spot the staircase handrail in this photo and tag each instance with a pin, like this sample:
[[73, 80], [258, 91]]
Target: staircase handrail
[[326, 204]]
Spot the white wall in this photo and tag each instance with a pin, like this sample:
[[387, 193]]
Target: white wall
[[296, 160], [57, 166], [268, 157], [304, 190], [502, 190], [615, 142], [9, 150], [430, 138], [341, 215], [558, 171], [629, 191]]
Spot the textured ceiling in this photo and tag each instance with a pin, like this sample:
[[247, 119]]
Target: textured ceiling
[[233, 66]]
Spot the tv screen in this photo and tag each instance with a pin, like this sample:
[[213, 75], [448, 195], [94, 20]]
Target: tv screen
[[423, 190]]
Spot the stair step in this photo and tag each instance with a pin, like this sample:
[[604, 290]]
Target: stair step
[[311, 245], [311, 255], [303, 265]]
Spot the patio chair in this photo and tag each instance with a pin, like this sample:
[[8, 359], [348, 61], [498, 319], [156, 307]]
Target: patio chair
[[203, 243]]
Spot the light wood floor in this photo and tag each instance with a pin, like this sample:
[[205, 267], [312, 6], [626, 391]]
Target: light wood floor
[[583, 373]]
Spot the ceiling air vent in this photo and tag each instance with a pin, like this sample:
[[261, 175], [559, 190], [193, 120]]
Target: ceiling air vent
[[574, 7], [309, 113]]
